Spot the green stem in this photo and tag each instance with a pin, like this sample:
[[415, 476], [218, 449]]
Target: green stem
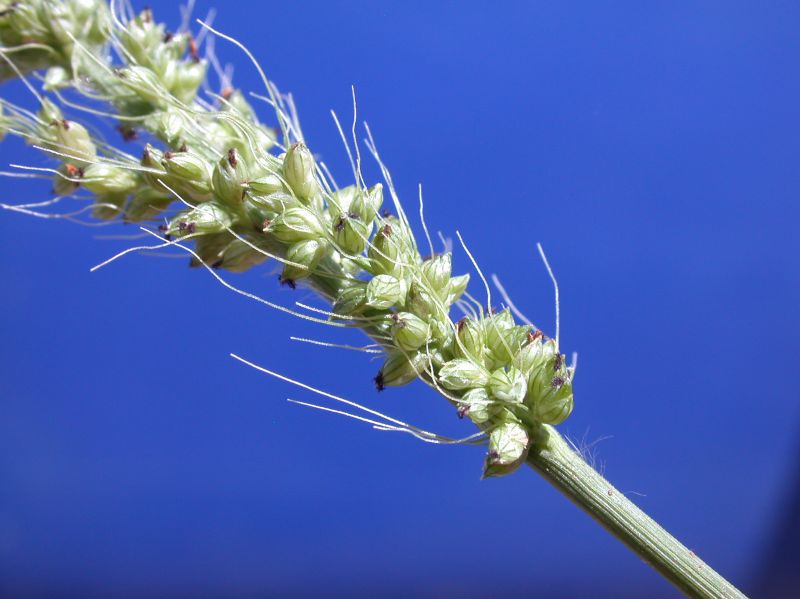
[[559, 464]]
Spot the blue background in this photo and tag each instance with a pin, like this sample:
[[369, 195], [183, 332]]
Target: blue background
[[651, 147]]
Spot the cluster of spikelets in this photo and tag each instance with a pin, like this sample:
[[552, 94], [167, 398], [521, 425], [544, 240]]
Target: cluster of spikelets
[[245, 192]]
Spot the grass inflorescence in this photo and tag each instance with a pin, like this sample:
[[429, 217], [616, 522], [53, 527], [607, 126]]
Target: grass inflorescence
[[234, 192]]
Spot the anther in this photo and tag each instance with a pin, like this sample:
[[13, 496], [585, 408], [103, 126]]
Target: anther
[[193, 53], [285, 281], [128, 133], [73, 171]]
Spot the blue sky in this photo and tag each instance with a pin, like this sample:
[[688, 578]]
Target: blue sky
[[651, 147]]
